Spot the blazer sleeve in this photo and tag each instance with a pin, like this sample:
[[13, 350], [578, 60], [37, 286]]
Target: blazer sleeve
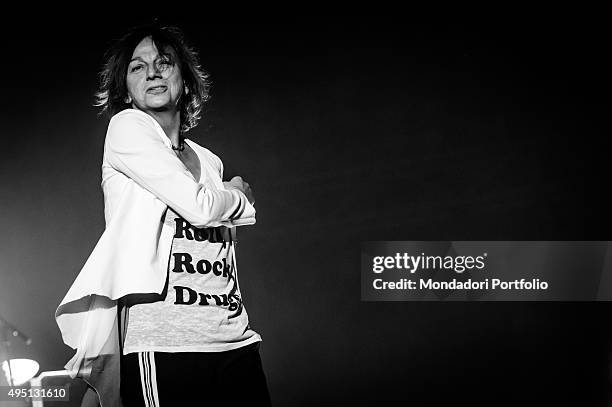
[[134, 148]]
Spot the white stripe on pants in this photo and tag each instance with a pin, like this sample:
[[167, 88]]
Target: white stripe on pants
[[148, 378]]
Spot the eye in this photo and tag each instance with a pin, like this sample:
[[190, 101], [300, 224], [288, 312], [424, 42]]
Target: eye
[[164, 64], [136, 68]]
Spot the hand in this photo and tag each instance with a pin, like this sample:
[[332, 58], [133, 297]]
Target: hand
[[238, 183]]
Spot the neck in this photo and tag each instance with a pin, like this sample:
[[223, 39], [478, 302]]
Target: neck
[[170, 122]]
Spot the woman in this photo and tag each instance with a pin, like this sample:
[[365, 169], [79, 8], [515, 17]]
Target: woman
[[164, 270]]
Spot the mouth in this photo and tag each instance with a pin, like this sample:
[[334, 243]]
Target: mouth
[[157, 89]]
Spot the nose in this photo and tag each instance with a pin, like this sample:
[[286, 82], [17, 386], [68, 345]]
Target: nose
[[153, 71]]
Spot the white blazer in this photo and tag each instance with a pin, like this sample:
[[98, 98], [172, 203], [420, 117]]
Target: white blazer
[[141, 177]]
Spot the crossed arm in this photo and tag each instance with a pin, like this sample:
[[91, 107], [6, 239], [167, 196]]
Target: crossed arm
[[134, 148]]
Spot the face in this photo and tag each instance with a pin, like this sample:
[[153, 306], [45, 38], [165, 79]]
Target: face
[[154, 80]]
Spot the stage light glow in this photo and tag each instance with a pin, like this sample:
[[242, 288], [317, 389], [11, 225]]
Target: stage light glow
[[22, 370]]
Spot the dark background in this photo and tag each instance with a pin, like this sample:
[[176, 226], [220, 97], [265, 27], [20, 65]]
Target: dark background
[[348, 128]]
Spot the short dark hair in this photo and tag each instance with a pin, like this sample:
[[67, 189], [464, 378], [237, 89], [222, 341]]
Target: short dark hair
[[112, 90]]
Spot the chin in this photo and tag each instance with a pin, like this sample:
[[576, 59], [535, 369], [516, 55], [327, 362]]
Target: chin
[[159, 105]]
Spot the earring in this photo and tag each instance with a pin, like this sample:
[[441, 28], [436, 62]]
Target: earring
[[128, 100], [186, 90]]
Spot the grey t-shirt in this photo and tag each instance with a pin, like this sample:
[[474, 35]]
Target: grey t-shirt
[[201, 307]]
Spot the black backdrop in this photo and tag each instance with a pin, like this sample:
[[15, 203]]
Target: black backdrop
[[349, 128]]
